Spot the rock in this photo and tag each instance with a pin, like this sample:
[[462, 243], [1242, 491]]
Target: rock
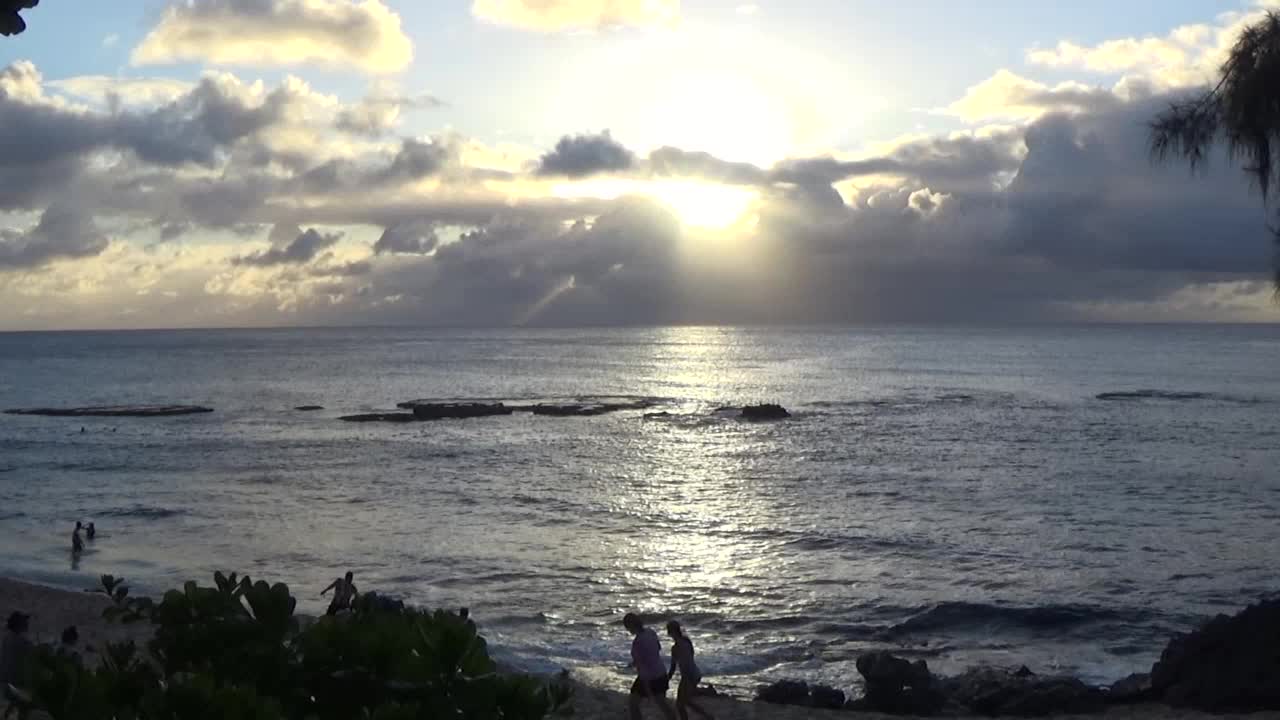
[[380, 417], [785, 692], [1135, 688], [706, 690], [996, 691], [767, 411], [821, 696], [567, 410], [898, 686], [309, 408], [1229, 664], [656, 415], [114, 411], [442, 411]]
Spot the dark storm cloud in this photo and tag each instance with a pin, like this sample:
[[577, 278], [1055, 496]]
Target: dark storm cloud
[[303, 248], [577, 156], [62, 232], [409, 238]]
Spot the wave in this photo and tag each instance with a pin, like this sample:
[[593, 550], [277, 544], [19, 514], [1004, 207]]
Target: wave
[[981, 616], [1173, 395], [143, 511]]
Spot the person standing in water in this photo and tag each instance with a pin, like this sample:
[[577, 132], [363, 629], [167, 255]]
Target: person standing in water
[[690, 675], [651, 674], [344, 593], [77, 545], [90, 531]]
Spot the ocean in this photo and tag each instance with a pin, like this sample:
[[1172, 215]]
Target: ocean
[[960, 495]]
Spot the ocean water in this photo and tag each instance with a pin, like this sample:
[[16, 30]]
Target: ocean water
[[960, 495]]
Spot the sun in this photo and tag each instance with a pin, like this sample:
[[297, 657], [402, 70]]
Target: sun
[[703, 205]]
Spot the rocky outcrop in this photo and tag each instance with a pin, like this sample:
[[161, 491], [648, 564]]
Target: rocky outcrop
[[996, 691], [1135, 688], [766, 411], [798, 692], [443, 411], [380, 417], [115, 411], [1229, 664], [309, 408], [898, 686]]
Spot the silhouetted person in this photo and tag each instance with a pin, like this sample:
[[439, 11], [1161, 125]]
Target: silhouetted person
[[690, 675], [90, 531], [14, 649], [465, 614], [344, 593], [651, 674], [77, 545]]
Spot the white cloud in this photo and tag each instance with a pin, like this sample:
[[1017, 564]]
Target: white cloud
[[560, 15], [1186, 56], [1009, 96], [363, 34], [129, 91], [111, 40]]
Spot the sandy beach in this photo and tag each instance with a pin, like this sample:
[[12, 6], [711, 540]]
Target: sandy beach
[[52, 610]]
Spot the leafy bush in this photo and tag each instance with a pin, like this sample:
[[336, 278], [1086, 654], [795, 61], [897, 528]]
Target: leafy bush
[[236, 650]]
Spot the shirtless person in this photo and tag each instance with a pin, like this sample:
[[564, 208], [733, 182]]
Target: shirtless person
[[651, 673], [690, 675], [344, 593], [76, 543]]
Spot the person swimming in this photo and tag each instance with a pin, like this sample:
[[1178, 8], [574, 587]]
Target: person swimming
[[690, 675], [77, 545], [344, 594]]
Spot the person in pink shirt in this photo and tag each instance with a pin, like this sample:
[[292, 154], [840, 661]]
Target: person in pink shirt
[[651, 672]]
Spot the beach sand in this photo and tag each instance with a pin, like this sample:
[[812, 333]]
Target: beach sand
[[52, 610]]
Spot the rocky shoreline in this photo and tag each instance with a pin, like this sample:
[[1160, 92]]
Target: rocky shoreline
[[1227, 666]]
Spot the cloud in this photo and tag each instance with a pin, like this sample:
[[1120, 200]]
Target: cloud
[[561, 15], [303, 248], [1008, 96], [64, 231], [1186, 56], [578, 156], [361, 34], [379, 113], [410, 238], [124, 91]]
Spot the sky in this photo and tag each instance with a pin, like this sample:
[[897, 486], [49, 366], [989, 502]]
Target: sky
[[229, 163]]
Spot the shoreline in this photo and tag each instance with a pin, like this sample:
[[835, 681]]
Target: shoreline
[[53, 609]]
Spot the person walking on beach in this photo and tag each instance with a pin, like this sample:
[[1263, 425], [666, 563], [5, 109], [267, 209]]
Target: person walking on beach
[[344, 593], [77, 545], [651, 674], [690, 675]]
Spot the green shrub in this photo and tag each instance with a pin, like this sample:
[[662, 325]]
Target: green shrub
[[236, 650]]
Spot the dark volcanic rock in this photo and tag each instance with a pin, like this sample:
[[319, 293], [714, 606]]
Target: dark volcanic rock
[[995, 691], [821, 696], [1229, 664], [898, 686], [443, 411], [309, 408], [568, 410], [380, 417], [115, 411], [768, 411], [1135, 688], [785, 692]]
